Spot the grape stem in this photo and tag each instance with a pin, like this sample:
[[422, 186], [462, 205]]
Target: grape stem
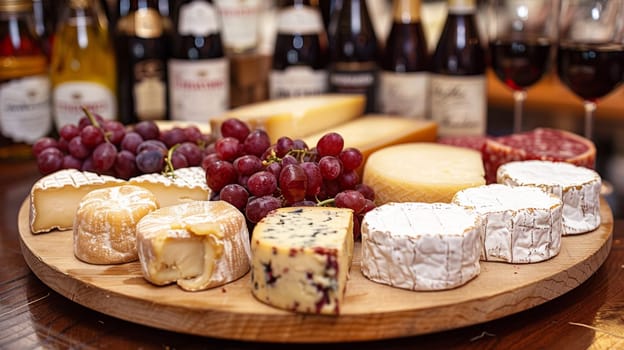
[[299, 154], [95, 123], [325, 203], [169, 169]]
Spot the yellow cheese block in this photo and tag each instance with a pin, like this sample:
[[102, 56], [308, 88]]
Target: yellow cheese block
[[297, 116], [422, 172]]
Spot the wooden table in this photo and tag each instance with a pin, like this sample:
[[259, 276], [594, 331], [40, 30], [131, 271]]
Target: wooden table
[[34, 316]]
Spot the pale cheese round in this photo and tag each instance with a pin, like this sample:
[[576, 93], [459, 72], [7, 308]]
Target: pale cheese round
[[577, 187], [105, 223], [521, 224], [421, 246]]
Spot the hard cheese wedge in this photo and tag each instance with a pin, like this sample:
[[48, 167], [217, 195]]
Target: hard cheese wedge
[[422, 172], [298, 116], [186, 184], [55, 197], [301, 258]]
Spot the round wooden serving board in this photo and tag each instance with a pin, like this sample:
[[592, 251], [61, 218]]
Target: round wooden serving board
[[371, 311]]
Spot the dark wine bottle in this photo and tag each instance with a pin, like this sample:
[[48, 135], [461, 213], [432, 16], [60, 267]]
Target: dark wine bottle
[[199, 86], [141, 47], [300, 57], [457, 80], [403, 87], [354, 54]]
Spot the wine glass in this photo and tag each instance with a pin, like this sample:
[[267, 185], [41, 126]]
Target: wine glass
[[521, 35], [590, 57]]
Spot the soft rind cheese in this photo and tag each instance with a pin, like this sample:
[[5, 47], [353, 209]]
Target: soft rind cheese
[[521, 224], [105, 223], [296, 116], [184, 185], [54, 198], [422, 172], [577, 187], [198, 245], [421, 246], [301, 258]]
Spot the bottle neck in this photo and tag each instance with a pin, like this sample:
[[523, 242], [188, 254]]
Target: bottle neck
[[406, 11], [462, 6], [143, 4]]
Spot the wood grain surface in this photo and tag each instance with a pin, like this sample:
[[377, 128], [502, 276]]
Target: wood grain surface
[[371, 311]]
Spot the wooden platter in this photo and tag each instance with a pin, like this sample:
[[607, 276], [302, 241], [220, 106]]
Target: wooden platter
[[371, 311]]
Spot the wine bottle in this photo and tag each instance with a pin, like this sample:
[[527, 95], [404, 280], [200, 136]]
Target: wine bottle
[[45, 17], [24, 84], [403, 80], [141, 43], [299, 64], [241, 24], [82, 70], [457, 80], [199, 86], [353, 58]]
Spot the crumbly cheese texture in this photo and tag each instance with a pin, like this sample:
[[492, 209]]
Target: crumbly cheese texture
[[296, 116], [184, 185], [301, 258], [105, 223], [422, 172], [198, 245], [577, 187], [54, 198], [421, 246], [522, 224]]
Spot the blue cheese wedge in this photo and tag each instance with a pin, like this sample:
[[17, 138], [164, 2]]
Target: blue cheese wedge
[[421, 246], [184, 185], [54, 198], [577, 187], [301, 258], [522, 224]]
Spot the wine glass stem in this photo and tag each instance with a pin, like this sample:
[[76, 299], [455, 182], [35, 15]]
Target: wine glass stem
[[519, 98], [590, 107]]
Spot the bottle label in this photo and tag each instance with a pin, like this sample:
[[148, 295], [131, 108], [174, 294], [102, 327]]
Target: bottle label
[[69, 98], [198, 18], [25, 108], [299, 20], [404, 94], [351, 81], [150, 90], [297, 81], [241, 23], [459, 104], [198, 89], [148, 23]]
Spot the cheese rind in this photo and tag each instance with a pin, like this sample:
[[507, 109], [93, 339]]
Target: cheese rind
[[185, 185], [422, 172], [296, 117], [421, 246], [522, 224], [301, 258], [105, 223], [198, 245], [54, 198], [577, 187]]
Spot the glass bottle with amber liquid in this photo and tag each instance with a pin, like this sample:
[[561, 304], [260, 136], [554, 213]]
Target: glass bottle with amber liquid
[[199, 80], [141, 42], [457, 80], [82, 70], [24, 83], [299, 64], [403, 86], [354, 54]]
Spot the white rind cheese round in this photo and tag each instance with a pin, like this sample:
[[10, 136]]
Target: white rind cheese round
[[578, 187], [198, 244], [522, 224], [421, 246], [105, 223]]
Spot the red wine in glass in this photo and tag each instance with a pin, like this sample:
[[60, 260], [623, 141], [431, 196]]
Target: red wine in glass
[[520, 63]]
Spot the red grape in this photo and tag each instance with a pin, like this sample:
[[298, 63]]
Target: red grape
[[87, 165], [288, 159], [293, 183], [247, 164], [193, 134], [262, 183], [115, 131], [235, 194], [173, 136], [330, 167], [91, 136], [351, 199], [330, 144], [257, 208], [178, 160], [235, 128], [366, 190], [348, 179], [152, 145], [147, 129], [315, 180], [228, 148], [43, 143], [351, 158], [50, 160], [131, 141], [150, 161], [125, 165], [104, 156], [283, 146], [256, 143], [299, 144], [219, 174], [85, 121], [71, 162], [69, 131], [208, 160], [274, 168], [192, 152], [77, 149]]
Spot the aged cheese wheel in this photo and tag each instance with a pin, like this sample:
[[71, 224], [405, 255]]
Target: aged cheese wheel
[[105, 223]]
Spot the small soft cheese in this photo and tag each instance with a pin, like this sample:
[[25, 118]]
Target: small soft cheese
[[422, 172], [184, 185], [105, 223], [577, 187], [54, 198], [522, 224], [296, 116], [421, 246], [301, 258], [198, 245]]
